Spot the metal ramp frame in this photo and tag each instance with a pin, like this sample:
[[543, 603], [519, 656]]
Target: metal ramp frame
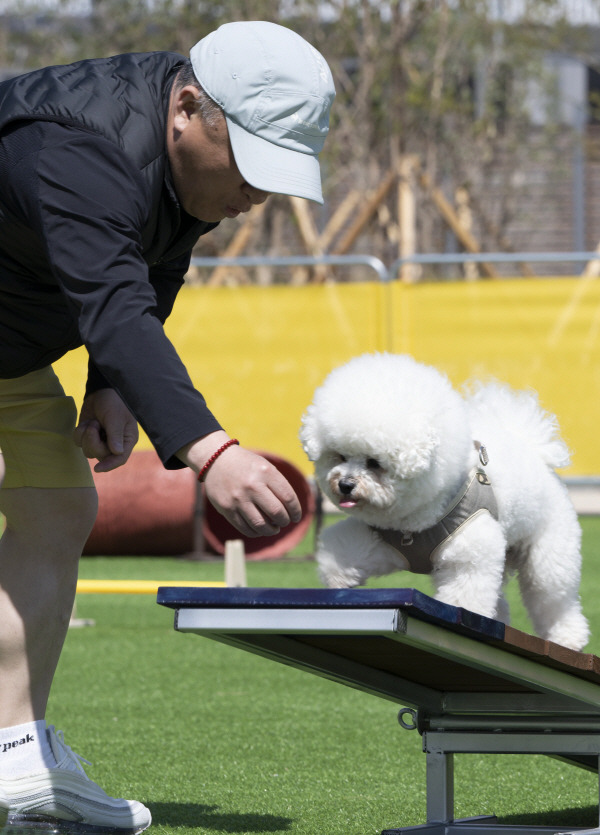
[[469, 684]]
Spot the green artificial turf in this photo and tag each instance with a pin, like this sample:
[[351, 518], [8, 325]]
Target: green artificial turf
[[216, 740]]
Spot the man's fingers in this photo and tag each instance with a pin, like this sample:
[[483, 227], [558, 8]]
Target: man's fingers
[[89, 438], [252, 523], [110, 462], [288, 504], [81, 430], [251, 493], [110, 449], [113, 458], [113, 430], [253, 529], [262, 515], [277, 500], [121, 440], [250, 518], [107, 430]]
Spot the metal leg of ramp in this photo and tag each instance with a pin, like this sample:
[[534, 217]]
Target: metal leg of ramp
[[441, 745]]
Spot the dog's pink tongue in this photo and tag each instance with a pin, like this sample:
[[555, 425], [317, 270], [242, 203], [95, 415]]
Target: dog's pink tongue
[[348, 503]]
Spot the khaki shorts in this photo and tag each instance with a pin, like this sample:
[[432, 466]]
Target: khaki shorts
[[36, 425]]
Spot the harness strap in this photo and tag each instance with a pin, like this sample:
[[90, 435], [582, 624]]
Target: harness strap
[[476, 496]]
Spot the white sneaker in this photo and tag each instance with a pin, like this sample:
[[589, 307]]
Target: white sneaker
[[3, 808], [63, 799]]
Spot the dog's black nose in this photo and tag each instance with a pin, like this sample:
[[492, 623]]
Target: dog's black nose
[[346, 485]]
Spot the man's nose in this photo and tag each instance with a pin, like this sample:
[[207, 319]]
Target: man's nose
[[255, 195]]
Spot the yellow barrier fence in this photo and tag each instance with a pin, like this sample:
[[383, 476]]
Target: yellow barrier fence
[[257, 353]]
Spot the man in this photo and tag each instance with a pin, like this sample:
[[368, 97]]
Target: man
[[111, 170]]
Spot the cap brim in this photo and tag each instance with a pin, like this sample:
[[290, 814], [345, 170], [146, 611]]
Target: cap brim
[[271, 168]]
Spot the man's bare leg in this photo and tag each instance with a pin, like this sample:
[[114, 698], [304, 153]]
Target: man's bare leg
[[39, 552], [46, 530]]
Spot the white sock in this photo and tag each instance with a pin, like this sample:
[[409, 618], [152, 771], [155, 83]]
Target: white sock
[[25, 749]]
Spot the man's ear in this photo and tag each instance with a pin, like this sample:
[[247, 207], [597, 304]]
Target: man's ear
[[184, 106]]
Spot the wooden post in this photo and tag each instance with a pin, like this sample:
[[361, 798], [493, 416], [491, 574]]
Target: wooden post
[[338, 219], [309, 235], [237, 245], [465, 218], [592, 268], [407, 217], [235, 564], [367, 212], [451, 218]]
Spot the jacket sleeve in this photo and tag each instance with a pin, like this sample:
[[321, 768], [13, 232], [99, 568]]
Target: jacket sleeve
[[167, 280], [90, 208]]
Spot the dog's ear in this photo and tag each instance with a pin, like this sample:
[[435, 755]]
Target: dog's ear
[[309, 435], [415, 456]]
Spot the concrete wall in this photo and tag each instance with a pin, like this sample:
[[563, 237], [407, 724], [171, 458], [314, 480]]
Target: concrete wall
[[257, 353]]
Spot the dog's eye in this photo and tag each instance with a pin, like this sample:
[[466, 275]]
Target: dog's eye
[[341, 458], [373, 464]]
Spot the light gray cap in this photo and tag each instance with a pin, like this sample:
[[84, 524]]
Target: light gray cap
[[276, 91]]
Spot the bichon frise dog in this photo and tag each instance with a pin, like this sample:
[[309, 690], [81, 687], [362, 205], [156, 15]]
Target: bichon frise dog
[[462, 488]]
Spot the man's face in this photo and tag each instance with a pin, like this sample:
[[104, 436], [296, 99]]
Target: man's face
[[207, 181]]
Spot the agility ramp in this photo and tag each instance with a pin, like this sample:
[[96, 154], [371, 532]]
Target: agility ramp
[[468, 684]]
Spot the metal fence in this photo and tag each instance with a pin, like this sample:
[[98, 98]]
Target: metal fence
[[385, 273]]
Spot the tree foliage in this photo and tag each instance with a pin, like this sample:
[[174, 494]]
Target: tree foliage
[[444, 83]]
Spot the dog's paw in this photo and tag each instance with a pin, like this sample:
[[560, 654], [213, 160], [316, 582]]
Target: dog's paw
[[345, 554], [336, 578], [570, 631]]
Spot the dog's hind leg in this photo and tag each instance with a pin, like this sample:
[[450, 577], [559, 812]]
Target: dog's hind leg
[[549, 578]]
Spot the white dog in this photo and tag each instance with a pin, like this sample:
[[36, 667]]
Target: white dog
[[462, 488]]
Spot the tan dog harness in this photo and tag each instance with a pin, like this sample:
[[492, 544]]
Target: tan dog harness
[[475, 497]]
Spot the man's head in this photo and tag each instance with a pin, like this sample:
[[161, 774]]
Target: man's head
[[274, 92], [207, 181]]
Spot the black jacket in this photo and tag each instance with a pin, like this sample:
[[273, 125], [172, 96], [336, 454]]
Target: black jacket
[[93, 243]]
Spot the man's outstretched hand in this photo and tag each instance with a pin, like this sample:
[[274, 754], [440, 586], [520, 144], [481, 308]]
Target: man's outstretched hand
[[244, 487]]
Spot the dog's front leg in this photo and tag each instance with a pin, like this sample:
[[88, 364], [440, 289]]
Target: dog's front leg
[[349, 552], [469, 568]]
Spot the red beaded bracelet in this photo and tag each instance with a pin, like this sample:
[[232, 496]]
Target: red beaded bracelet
[[214, 457]]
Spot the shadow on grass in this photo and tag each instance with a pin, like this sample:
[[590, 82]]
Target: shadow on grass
[[585, 816], [571, 819], [197, 815]]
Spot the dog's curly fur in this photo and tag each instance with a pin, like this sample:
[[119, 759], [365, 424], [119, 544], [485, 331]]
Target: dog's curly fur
[[393, 442]]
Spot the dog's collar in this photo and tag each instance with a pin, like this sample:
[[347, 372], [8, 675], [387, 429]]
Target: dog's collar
[[475, 496]]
